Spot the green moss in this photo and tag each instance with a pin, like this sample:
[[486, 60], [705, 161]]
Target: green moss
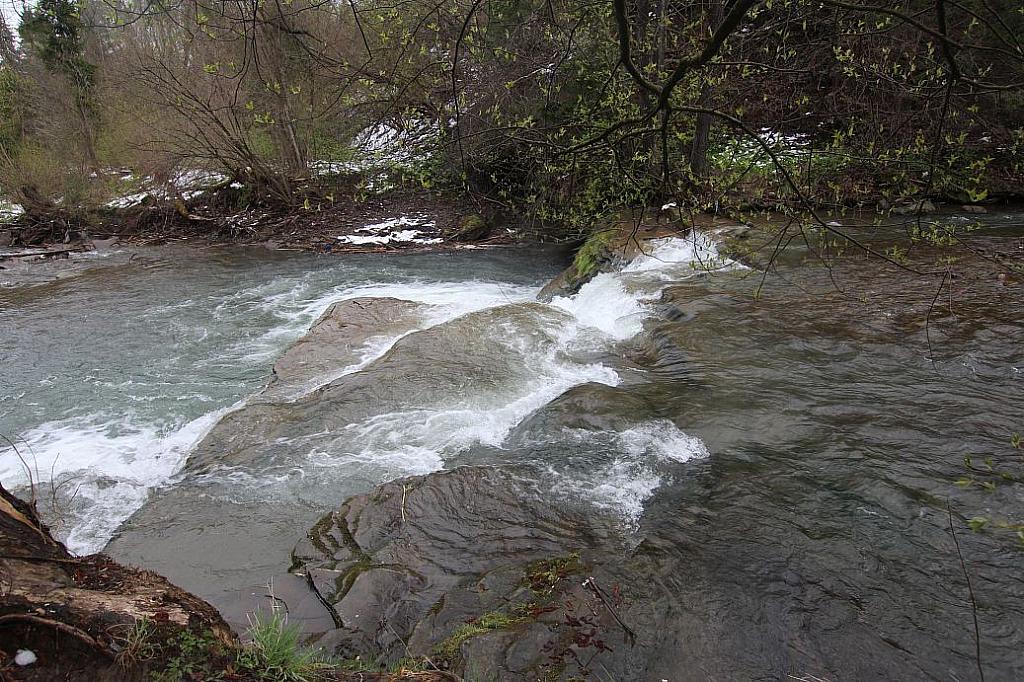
[[593, 251], [494, 620], [437, 606], [543, 575], [345, 581]]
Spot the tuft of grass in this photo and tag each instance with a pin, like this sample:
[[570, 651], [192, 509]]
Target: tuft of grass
[[277, 654], [136, 644], [542, 576]]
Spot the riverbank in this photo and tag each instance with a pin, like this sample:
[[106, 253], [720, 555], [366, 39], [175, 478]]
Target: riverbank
[[91, 618], [396, 220]]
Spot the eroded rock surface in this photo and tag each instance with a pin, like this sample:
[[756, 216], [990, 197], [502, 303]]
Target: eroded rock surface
[[590, 406], [422, 370], [468, 569], [339, 340]]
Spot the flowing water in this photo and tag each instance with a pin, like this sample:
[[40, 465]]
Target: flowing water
[[784, 461]]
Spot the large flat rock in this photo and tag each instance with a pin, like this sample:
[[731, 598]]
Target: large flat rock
[[471, 569]]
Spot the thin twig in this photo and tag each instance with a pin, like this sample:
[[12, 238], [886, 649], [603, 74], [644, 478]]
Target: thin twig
[[970, 591]]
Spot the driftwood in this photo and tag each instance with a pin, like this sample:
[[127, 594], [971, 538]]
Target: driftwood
[[43, 253]]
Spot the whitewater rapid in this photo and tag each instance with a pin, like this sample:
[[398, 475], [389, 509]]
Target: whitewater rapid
[[103, 465]]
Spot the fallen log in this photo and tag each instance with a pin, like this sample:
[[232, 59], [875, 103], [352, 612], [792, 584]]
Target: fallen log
[[63, 252]]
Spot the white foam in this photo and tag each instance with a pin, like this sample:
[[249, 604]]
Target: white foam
[[120, 460], [113, 463], [623, 486], [662, 440], [483, 420], [615, 303], [604, 304], [679, 257]]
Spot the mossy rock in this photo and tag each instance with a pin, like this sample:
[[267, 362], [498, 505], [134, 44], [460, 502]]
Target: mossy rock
[[603, 250], [471, 228]]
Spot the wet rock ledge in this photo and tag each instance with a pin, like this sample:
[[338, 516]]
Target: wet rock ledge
[[91, 618], [468, 570]]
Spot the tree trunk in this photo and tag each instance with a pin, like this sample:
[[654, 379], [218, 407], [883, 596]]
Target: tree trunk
[[702, 129]]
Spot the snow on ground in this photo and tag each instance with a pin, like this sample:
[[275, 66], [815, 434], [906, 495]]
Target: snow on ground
[[9, 211], [127, 200], [196, 178], [191, 182], [386, 232]]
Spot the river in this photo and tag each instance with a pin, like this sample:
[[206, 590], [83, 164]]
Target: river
[[786, 459]]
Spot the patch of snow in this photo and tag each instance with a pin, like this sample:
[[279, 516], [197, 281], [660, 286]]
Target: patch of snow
[[402, 221], [25, 657], [192, 178], [322, 167], [387, 233], [409, 236], [127, 200], [9, 211]]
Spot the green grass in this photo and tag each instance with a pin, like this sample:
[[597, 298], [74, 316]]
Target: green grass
[[276, 652]]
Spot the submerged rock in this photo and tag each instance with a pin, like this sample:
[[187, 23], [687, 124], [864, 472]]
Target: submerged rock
[[908, 206]]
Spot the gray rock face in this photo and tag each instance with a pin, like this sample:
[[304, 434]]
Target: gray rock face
[[410, 376], [468, 568], [912, 207], [590, 406], [337, 340], [292, 403]]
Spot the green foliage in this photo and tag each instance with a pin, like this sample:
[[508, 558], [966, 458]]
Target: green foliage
[[10, 112], [53, 29], [276, 652], [43, 170], [187, 655]]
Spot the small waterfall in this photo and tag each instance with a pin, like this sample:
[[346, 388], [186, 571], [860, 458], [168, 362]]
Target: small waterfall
[[481, 357]]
